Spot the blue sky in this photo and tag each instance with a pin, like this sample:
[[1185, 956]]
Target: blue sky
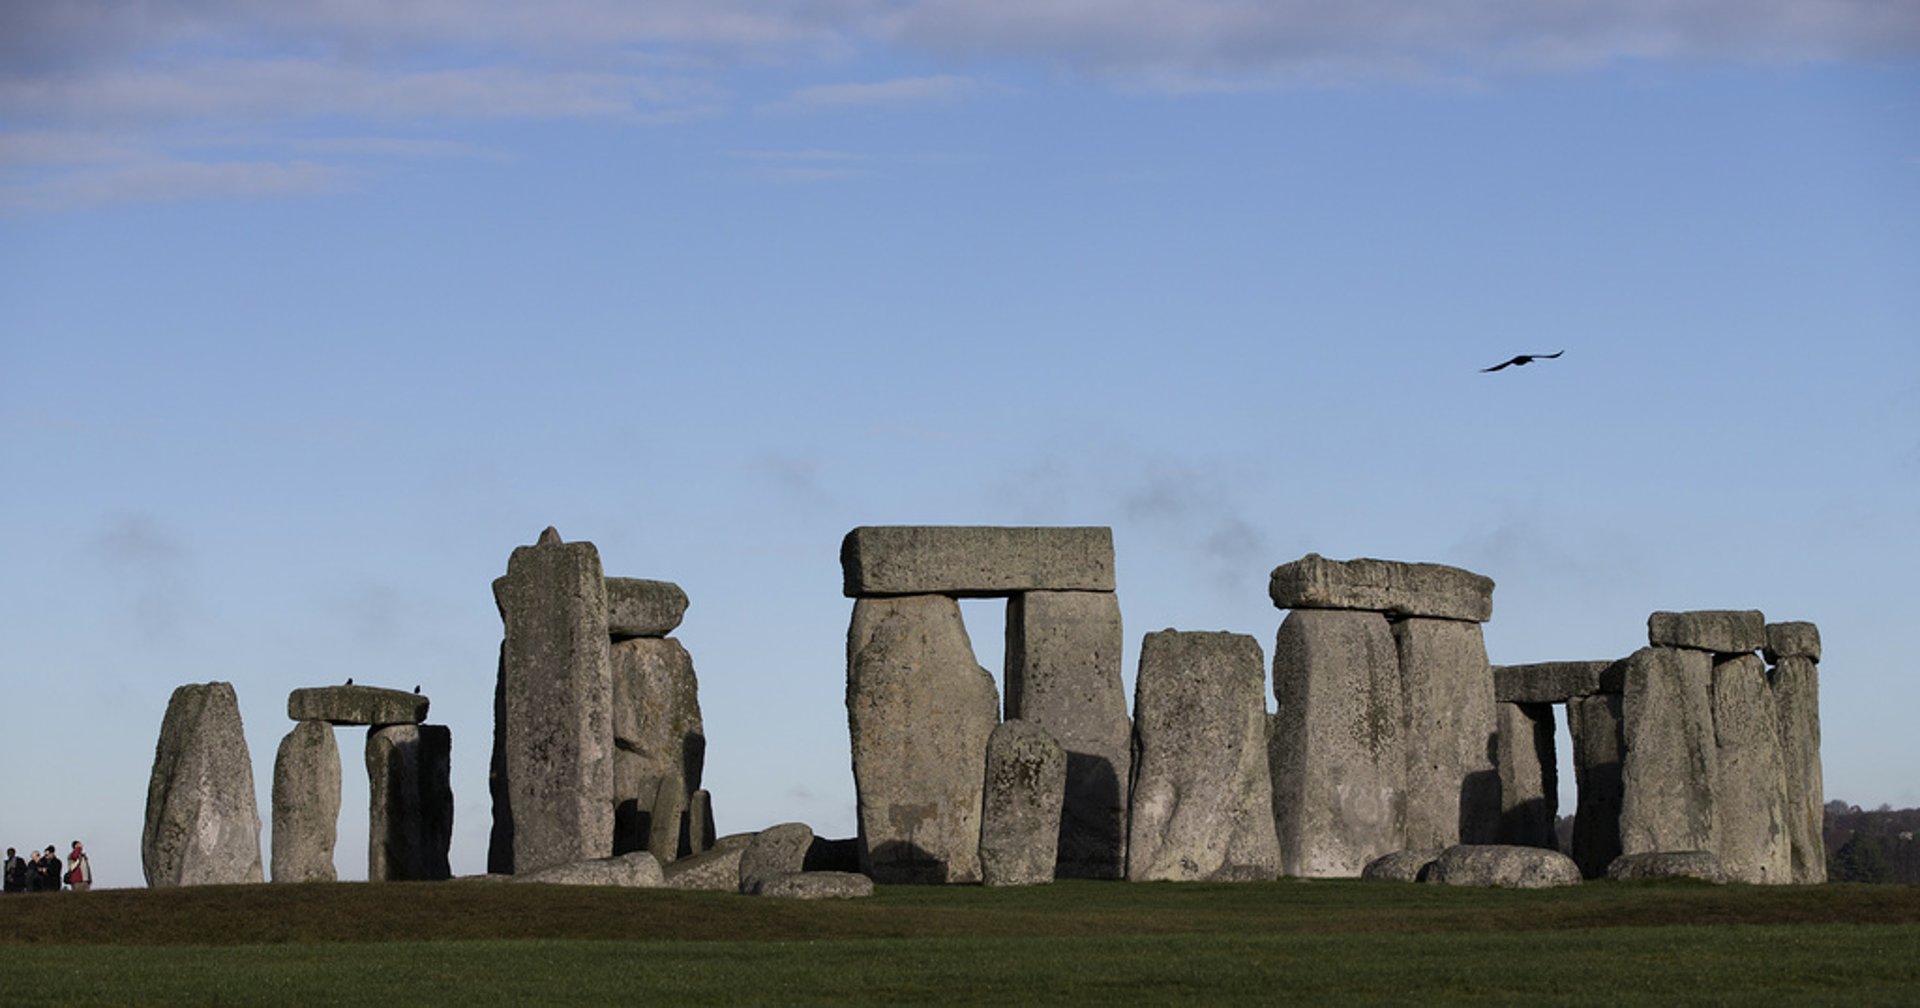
[[310, 313]]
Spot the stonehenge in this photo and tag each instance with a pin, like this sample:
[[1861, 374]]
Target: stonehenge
[[203, 825]]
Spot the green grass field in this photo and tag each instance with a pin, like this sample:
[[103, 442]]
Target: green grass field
[[1097, 943]]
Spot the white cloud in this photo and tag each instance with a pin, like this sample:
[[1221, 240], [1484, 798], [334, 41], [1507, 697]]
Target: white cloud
[[164, 180], [899, 91]]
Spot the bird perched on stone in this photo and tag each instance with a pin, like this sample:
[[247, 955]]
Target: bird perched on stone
[[349, 680], [1521, 360], [416, 691]]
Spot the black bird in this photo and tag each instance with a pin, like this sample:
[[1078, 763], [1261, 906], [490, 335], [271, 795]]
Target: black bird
[[416, 691], [349, 680], [1522, 359]]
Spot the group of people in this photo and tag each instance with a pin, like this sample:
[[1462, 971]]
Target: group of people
[[42, 873]]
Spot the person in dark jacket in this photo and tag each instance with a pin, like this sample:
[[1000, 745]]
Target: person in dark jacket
[[49, 871], [16, 872]]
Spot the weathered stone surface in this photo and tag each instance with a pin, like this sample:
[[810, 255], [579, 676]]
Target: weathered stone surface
[[1750, 806], [660, 737], [558, 703], [1388, 586], [1556, 682], [356, 705], [1337, 748], [700, 831], [1063, 674], [1020, 824], [1594, 723], [1202, 797], [816, 885], [1796, 701], [1453, 789], [1503, 867], [1529, 775], [1724, 631], [1401, 866], [306, 804], [637, 870], [919, 711], [637, 607], [202, 825], [1650, 865], [1792, 639], [714, 870], [410, 802], [1670, 771], [975, 560], [775, 852]]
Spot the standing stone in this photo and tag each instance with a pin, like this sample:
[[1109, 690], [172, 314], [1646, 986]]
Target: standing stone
[[558, 701], [1594, 722], [409, 803], [500, 837], [1020, 823], [1750, 807], [667, 819], [1063, 675], [1453, 790], [660, 738], [1529, 775], [1796, 701], [974, 560], [1670, 771], [1339, 761], [202, 826], [306, 804], [700, 830], [919, 711], [1386, 586], [1202, 805], [1723, 631]]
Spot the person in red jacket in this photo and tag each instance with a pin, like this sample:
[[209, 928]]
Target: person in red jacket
[[79, 869]]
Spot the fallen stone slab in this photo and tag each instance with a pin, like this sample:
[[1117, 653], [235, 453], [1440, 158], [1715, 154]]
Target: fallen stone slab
[[975, 560], [1020, 823], [1792, 639], [1387, 586], [716, 870], [774, 852], [638, 870], [1650, 865], [638, 607], [1723, 631], [1453, 788], [815, 885], [306, 804], [1750, 807], [356, 705], [1401, 866], [1557, 682], [1501, 866], [1796, 700], [202, 823], [1670, 770]]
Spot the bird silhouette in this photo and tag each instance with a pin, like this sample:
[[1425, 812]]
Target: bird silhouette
[[416, 691], [1521, 360], [349, 680]]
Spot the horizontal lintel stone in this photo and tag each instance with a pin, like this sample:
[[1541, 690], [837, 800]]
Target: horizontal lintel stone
[[1723, 631], [1794, 639], [637, 607], [1392, 587], [356, 705], [977, 561], [1556, 682]]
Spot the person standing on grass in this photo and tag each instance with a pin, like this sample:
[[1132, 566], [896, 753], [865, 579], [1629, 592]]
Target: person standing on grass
[[16, 872], [79, 869], [33, 871], [49, 871]]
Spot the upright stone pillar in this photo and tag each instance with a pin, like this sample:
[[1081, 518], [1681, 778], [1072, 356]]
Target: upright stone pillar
[[203, 824], [1202, 796], [1529, 775], [558, 703], [410, 802], [660, 740], [1020, 822], [1598, 746], [306, 803], [1670, 770], [1750, 808], [1063, 676], [1794, 650], [1453, 790], [919, 712]]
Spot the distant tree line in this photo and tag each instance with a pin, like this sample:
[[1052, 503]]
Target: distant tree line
[[1863, 845]]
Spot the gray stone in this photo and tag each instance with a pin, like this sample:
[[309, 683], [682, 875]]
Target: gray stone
[[817, 885], [1723, 631], [775, 852], [919, 711], [1556, 682], [975, 560], [1453, 789], [1020, 824], [1651, 865], [637, 870], [1503, 867], [661, 737], [202, 824], [1750, 806], [1063, 674], [1796, 701], [700, 831], [306, 804], [637, 607], [1529, 775], [1670, 769], [713, 870], [1401, 866], [500, 836], [1792, 639], [410, 803], [1202, 797], [1387, 586], [1338, 756], [1594, 722], [558, 703], [356, 705]]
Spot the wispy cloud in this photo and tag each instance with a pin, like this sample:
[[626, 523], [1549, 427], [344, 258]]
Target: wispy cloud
[[160, 180], [808, 165], [898, 91]]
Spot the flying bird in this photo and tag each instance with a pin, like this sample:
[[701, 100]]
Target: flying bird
[[1522, 359]]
